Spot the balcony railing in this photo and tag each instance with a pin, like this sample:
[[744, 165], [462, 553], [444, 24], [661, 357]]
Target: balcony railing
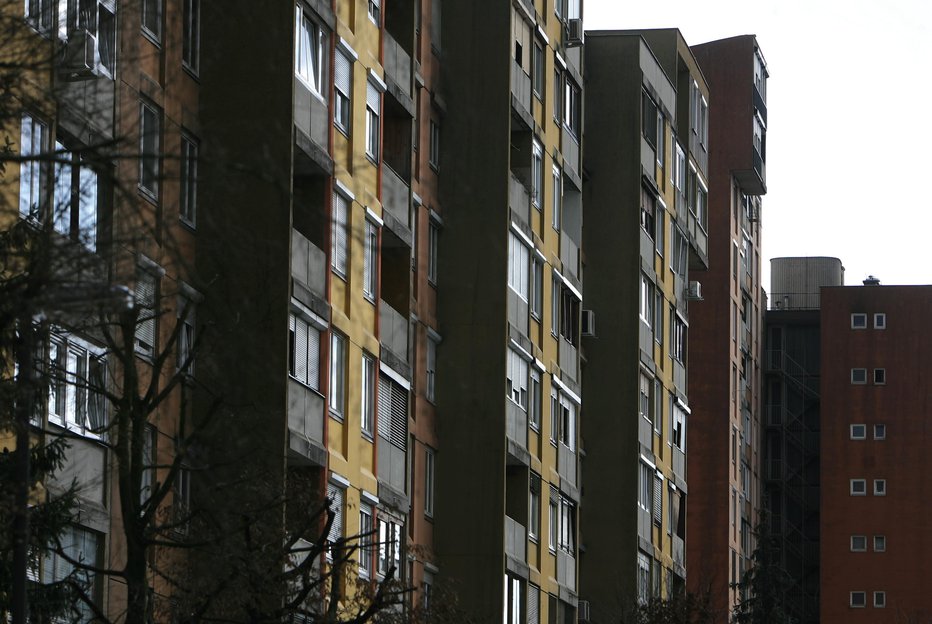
[[679, 462], [393, 330], [566, 570], [397, 64], [516, 423], [566, 463], [569, 254], [515, 539], [570, 148], [308, 263], [305, 419], [396, 195], [521, 86], [568, 359], [519, 199]]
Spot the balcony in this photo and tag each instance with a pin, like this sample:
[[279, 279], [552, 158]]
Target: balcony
[[569, 361], [516, 423], [519, 199], [645, 523], [679, 462], [518, 312], [566, 570], [396, 195], [308, 264], [645, 432], [570, 148], [569, 254], [397, 65], [311, 115], [566, 464], [305, 425], [679, 376], [393, 329], [392, 466], [698, 238], [679, 550], [521, 88], [515, 539]]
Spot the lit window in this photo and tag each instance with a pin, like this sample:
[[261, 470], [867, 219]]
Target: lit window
[[150, 121], [858, 432], [858, 320], [858, 543], [190, 54], [880, 487], [77, 378], [337, 375], [859, 375], [310, 55], [188, 208], [858, 487]]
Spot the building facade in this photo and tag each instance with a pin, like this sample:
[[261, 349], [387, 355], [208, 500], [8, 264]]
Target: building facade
[[724, 339], [646, 198], [875, 395]]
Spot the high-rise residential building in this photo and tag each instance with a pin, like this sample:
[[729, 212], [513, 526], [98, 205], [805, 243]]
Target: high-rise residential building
[[510, 273], [875, 398], [790, 455], [647, 155], [724, 352]]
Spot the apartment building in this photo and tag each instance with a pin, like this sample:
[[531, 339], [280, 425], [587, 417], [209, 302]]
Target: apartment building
[[646, 198], [792, 368], [724, 332], [875, 397], [299, 210], [510, 273]]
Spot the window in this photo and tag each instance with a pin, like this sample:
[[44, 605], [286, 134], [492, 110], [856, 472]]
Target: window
[[649, 119], [858, 432], [858, 487], [554, 416], [433, 234], [567, 537], [366, 529], [76, 194], [557, 198], [647, 300], [39, 14], [557, 95], [880, 376], [536, 406], [514, 601], [659, 228], [537, 174], [433, 157], [880, 432], [367, 399], [431, 368], [702, 202], [375, 12], [880, 599], [339, 235], [337, 499], [77, 376], [181, 500], [533, 604], [190, 53], [188, 207], [880, 320], [337, 374], [32, 145], [555, 294], [880, 543], [517, 378], [537, 69], [644, 578], [858, 320], [572, 107], [150, 121], [533, 525], [645, 398], [184, 354], [370, 269], [880, 487], [553, 519], [658, 316], [648, 210], [857, 599], [145, 298], [537, 287], [518, 266], [149, 465], [760, 75], [373, 111], [703, 122], [389, 546], [429, 459], [303, 352], [152, 18], [677, 337], [859, 375], [858, 543], [679, 426], [310, 52], [645, 487], [77, 544], [567, 423], [88, 24], [342, 91]]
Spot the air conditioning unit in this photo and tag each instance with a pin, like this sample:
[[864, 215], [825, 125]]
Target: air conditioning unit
[[582, 611], [574, 32], [588, 323], [694, 292], [80, 58]]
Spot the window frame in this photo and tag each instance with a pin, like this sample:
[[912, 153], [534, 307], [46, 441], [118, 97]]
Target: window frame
[[880, 431], [880, 376], [880, 599], [858, 320], [370, 281], [150, 302], [853, 431], [857, 599], [152, 31], [880, 320], [881, 541], [433, 155], [150, 142], [336, 391], [430, 459], [857, 487], [856, 376], [433, 236], [537, 174], [366, 527], [368, 396], [343, 93], [191, 36], [70, 385], [858, 543], [430, 369], [310, 52], [880, 487], [373, 122], [187, 205], [339, 236], [308, 379]]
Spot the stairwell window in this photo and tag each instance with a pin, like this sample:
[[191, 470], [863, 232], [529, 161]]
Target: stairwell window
[[519, 257], [370, 271], [859, 320], [429, 460], [367, 399], [880, 487], [310, 52], [858, 376], [857, 599], [857, 487]]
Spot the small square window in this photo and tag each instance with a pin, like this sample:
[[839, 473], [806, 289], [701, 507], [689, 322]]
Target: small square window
[[880, 376], [880, 543], [858, 599], [858, 432], [859, 320], [859, 375], [880, 320], [880, 599], [880, 432], [880, 487], [858, 543], [858, 487]]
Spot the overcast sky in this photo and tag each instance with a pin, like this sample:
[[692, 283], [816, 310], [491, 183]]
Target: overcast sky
[[849, 155]]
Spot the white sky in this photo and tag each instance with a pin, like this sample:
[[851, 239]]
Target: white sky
[[849, 141]]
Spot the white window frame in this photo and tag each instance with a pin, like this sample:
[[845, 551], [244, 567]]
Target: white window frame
[[433, 236], [337, 390], [880, 431], [304, 356], [188, 202], [343, 91], [537, 174], [433, 155], [71, 398], [184, 351], [859, 376], [366, 527], [858, 431], [880, 599], [536, 285], [76, 195], [857, 487], [519, 259], [375, 12], [517, 379], [858, 320], [191, 36], [533, 525], [880, 487], [535, 400], [146, 296], [152, 10], [32, 175], [880, 320], [557, 208], [370, 261], [310, 52], [858, 543], [368, 395], [880, 543], [373, 121], [150, 141], [857, 599], [339, 254]]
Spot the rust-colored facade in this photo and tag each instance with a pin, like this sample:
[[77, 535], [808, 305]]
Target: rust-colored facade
[[876, 389]]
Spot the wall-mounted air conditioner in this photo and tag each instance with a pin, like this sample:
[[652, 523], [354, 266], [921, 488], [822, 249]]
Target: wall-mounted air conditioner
[[80, 58], [582, 611], [588, 323], [574, 32], [694, 292]]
